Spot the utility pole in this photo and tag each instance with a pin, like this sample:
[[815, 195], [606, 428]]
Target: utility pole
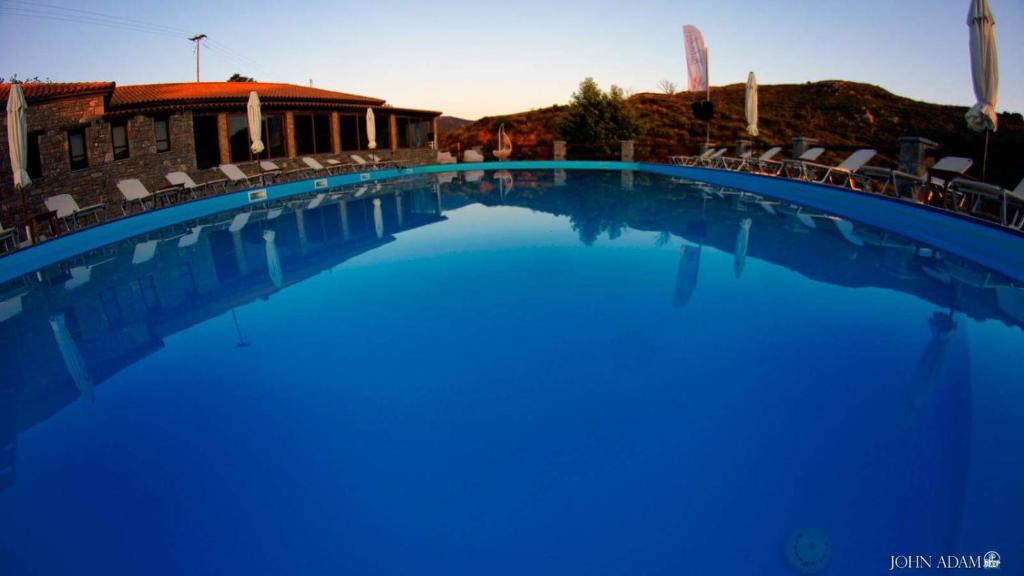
[[197, 39]]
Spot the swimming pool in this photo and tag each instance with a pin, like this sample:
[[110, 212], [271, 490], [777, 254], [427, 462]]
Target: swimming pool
[[532, 370]]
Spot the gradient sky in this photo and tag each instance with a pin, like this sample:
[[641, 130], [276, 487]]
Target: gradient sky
[[478, 58]]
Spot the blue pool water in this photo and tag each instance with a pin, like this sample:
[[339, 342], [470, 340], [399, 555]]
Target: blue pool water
[[521, 372]]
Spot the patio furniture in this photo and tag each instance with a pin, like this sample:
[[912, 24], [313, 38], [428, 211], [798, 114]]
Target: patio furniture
[[8, 238], [339, 166], [750, 163], [269, 170], [188, 185], [67, 209], [382, 162], [235, 174], [791, 166], [690, 160], [133, 190], [981, 191], [311, 164], [472, 156], [823, 174], [446, 158]]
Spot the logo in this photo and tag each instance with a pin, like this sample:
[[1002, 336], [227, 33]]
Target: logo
[[321, 183], [989, 561]]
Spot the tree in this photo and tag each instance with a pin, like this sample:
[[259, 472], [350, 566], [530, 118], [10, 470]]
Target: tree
[[26, 80], [236, 77], [597, 118], [668, 87]]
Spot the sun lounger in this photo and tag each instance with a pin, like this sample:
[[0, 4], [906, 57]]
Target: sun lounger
[[906, 185], [794, 167], [381, 162], [339, 166], [67, 209], [844, 171], [363, 162], [269, 170], [446, 158], [981, 192], [8, 237], [235, 174], [747, 162], [132, 190], [690, 160], [472, 156], [188, 185], [311, 164]]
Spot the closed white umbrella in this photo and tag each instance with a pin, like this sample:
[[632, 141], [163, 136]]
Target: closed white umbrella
[[255, 123], [73, 360], [17, 136], [984, 72], [750, 104], [371, 129]]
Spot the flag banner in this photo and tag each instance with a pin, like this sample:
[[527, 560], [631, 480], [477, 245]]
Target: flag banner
[[696, 59]]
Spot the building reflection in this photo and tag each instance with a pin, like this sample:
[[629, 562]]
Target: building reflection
[[69, 327]]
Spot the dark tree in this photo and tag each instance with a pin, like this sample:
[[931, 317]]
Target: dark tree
[[598, 118], [236, 77]]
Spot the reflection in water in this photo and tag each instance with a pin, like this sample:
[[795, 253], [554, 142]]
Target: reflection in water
[[686, 274], [378, 218], [73, 360], [742, 239], [76, 324], [273, 262]]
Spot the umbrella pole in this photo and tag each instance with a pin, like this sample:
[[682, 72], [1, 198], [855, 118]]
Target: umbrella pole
[[984, 159], [24, 216]]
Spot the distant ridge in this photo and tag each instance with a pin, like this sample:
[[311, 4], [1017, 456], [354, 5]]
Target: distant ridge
[[447, 124], [842, 115]]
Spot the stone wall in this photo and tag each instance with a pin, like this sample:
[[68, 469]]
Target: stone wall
[[97, 182]]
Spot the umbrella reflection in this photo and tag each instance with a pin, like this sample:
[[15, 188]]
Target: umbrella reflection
[[73, 360], [686, 274], [273, 262], [378, 218], [742, 239]]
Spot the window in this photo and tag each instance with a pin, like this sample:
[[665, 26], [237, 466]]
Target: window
[[349, 132], [312, 133], [162, 131], [383, 125], [119, 138], [402, 124], [207, 141], [273, 135], [76, 149], [238, 137], [35, 159]]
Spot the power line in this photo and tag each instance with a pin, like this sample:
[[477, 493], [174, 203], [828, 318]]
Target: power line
[[13, 11], [56, 13], [42, 6]]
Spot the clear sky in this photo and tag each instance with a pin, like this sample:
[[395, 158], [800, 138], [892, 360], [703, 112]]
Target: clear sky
[[479, 58]]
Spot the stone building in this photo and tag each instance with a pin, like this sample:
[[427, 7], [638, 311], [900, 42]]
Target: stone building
[[85, 137]]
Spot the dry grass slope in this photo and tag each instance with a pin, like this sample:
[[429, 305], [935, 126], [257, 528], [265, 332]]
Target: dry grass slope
[[842, 115]]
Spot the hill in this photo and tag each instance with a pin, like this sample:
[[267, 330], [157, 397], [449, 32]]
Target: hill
[[447, 124], [842, 115]]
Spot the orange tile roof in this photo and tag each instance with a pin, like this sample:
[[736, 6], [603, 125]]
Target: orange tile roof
[[195, 92], [37, 91]]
